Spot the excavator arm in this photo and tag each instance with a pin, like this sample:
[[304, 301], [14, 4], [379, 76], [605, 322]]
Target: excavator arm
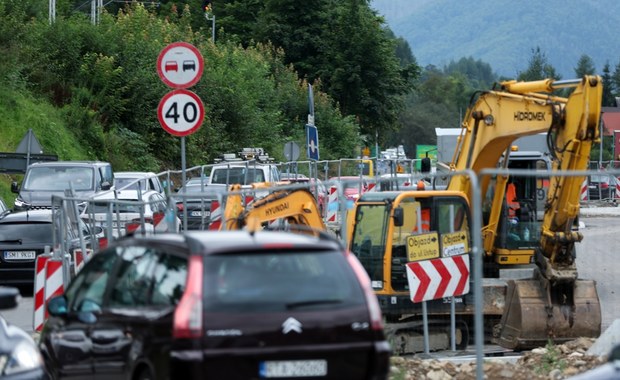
[[518, 109], [295, 206], [554, 304]]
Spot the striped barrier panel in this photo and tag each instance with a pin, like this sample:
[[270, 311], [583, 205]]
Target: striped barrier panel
[[49, 282], [332, 205], [39, 292], [584, 190], [79, 260], [215, 218]]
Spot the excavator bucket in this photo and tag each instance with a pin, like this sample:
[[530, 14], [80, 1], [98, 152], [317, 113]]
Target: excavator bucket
[[536, 313]]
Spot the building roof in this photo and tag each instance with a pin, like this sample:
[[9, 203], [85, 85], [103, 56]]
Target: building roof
[[611, 120]]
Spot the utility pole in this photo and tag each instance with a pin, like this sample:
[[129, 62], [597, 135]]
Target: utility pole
[[52, 11], [96, 6]]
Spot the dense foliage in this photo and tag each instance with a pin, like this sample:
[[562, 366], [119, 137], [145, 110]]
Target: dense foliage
[[91, 91]]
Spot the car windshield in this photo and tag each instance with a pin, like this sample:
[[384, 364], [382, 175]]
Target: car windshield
[[26, 233], [124, 184], [59, 178], [276, 281]]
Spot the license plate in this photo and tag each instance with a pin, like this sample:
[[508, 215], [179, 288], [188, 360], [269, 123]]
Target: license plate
[[200, 213], [19, 255], [293, 368]]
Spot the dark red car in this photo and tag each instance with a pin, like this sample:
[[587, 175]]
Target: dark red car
[[218, 305]]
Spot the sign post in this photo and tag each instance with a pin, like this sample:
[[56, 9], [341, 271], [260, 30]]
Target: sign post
[[180, 112]]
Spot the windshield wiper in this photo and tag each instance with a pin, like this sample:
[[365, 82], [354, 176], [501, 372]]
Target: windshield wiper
[[12, 241], [295, 305]]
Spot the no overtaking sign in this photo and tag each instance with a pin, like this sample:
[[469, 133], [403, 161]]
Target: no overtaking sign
[[180, 111], [180, 65]]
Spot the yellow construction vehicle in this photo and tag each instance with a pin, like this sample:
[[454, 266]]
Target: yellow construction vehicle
[[553, 304], [293, 205]]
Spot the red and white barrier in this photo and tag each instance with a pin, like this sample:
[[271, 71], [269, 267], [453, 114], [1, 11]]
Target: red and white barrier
[[78, 259], [48, 283], [372, 187], [332, 205], [39, 292], [215, 216], [584, 190], [617, 195]]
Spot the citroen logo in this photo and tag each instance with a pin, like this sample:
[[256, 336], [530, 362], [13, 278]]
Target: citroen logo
[[291, 324]]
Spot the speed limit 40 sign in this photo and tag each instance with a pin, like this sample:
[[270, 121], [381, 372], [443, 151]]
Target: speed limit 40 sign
[[180, 112]]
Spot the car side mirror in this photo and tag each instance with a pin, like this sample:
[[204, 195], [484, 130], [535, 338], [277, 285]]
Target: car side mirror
[[57, 306], [105, 185], [14, 187], [399, 217]]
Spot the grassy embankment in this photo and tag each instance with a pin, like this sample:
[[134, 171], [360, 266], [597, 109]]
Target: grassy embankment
[[19, 111]]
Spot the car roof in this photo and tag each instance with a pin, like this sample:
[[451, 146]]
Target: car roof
[[70, 163], [124, 195], [38, 215], [134, 174], [211, 242]]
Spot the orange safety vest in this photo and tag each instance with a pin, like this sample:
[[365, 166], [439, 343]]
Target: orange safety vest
[[426, 221], [511, 200]]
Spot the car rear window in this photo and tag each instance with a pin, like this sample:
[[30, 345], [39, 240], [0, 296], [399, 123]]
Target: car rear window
[[102, 208], [600, 178], [27, 233], [279, 281], [240, 175], [124, 184]]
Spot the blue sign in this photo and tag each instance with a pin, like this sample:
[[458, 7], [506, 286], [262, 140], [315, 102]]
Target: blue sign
[[312, 142]]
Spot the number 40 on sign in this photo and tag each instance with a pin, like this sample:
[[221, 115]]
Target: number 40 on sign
[[180, 112]]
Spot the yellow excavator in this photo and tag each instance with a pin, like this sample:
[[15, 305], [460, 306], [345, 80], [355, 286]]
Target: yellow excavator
[[295, 206], [386, 230]]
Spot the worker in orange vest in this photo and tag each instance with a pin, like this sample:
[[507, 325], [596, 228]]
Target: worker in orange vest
[[511, 200], [425, 222]]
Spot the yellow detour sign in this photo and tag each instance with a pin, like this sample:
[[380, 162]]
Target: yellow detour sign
[[422, 247], [455, 243]]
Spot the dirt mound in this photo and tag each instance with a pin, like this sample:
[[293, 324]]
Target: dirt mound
[[550, 362]]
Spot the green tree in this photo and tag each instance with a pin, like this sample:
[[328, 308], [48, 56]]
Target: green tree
[[585, 66], [615, 79], [608, 87], [360, 70], [539, 68]]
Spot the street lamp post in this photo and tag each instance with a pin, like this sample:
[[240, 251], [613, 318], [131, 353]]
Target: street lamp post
[[211, 17]]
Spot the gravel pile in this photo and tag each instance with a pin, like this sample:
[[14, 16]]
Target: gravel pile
[[552, 362]]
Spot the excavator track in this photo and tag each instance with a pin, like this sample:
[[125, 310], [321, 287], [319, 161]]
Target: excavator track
[[408, 337]]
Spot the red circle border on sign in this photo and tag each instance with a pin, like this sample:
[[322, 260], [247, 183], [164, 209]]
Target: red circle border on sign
[[200, 64], [160, 111]]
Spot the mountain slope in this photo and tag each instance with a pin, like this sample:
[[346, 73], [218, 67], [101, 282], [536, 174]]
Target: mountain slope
[[504, 32]]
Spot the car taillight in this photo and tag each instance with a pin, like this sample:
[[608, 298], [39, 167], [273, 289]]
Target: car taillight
[[180, 207], [376, 320], [103, 243], [604, 185], [188, 314], [158, 217]]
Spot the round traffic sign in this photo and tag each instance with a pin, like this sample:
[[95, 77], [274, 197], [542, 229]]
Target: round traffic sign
[[180, 65], [291, 151], [180, 112]]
